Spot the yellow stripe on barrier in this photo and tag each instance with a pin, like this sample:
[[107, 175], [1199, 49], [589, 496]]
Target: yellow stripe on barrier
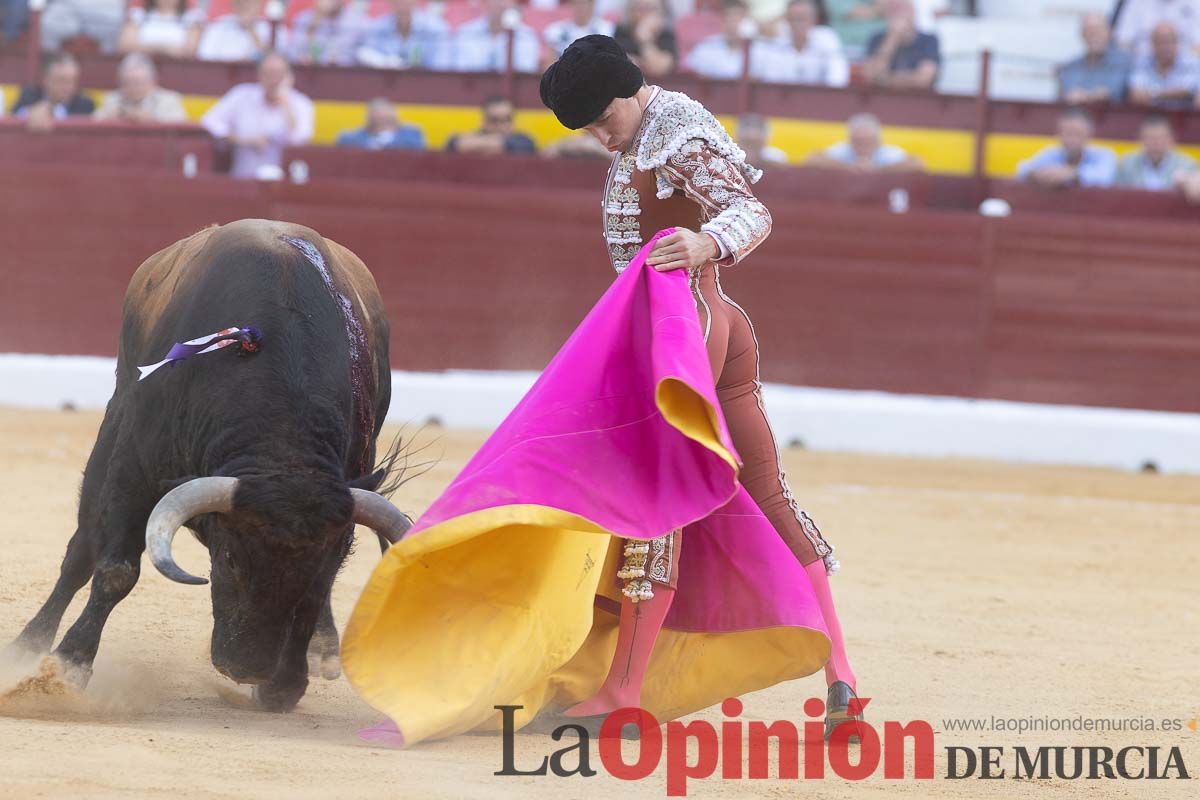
[[942, 151], [1006, 150]]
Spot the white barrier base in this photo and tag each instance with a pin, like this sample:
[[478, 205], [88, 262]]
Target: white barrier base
[[820, 419]]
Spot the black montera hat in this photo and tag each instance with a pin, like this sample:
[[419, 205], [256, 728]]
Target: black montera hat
[[589, 75]]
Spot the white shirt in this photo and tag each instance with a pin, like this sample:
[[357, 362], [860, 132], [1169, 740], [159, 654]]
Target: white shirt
[[772, 155], [559, 35], [715, 57], [226, 40], [156, 29], [821, 62], [245, 113], [887, 155], [476, 49], [1139, 17]]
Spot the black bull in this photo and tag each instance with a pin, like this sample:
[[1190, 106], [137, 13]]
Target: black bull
[[267, 457]]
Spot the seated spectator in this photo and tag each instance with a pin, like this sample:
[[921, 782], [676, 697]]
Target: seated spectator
[[481, 44], [864, 150], [805, 52], [327, 33], [1167, 78], [722, 55], [584, 21], [1136, 20], [855, 22], [1071, 162], [162, 28], [258, 120], [383, 131], [408, 37], [647, 36], [138, 97], [1157, 166], [902, 57], [579, 145], [57, 98], [1101, 73], [496, 136], [752, 136], [100, 20], [243, 34]]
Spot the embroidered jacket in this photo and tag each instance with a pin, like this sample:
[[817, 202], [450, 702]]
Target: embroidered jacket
[[682, 170]]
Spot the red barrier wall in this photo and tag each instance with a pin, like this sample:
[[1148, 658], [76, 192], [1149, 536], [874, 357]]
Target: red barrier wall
[[102, 144], [1046, 307]]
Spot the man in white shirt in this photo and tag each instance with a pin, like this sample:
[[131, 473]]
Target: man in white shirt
[[481, 45], [99, 19], [244, 34], [138, 97], [583, 21], [864, 150], [722, 55], [258, 120], [1139, 17], [805, 52]]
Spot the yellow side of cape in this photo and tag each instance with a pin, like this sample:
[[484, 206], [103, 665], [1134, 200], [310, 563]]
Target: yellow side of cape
[[498, 607]]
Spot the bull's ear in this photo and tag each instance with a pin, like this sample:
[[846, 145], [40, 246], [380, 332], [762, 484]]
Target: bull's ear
[[369, 482], [167, 485]]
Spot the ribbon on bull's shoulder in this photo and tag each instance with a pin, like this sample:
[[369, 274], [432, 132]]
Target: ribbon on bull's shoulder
[[249, 338]]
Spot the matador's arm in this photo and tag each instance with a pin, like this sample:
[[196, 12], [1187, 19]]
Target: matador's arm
[[736, 218]]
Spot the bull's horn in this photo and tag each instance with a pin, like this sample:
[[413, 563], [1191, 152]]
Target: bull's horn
[[197, 496], [374, 511]]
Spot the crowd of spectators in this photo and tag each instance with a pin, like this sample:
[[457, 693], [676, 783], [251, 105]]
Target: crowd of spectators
[[796, 41], [1074, 160], [1151, 59], [1154, 64]]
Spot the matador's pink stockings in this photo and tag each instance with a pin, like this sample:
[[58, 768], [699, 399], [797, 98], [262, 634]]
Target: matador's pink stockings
[[640, 625], [838, 666]]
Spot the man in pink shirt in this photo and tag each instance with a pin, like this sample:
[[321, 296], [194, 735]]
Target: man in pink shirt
[[258, 120]]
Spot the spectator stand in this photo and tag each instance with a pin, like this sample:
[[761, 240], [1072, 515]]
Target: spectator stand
[[984, 132]]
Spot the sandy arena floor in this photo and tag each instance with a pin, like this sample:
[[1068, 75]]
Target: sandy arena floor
[[968, 589]]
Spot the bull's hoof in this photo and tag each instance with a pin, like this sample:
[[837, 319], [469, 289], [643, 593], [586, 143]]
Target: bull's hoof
[[76, 674], [331, 668], [324, 661], [278, 699]]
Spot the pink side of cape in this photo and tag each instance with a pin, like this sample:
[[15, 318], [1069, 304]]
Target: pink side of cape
[[589, 439]]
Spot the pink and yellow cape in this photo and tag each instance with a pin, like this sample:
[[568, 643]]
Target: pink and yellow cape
[[504, 592]]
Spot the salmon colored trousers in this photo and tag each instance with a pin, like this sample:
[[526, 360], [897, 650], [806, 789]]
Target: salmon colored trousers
[[733, 355]]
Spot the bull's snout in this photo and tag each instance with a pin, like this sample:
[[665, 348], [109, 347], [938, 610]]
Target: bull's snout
[[245, 666], [242, 674]]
